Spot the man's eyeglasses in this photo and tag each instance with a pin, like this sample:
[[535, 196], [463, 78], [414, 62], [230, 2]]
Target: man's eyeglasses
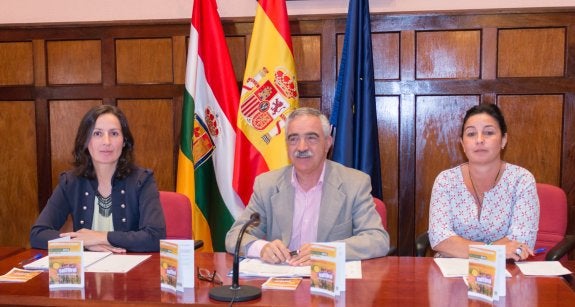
[[206, 275], [310, 139]]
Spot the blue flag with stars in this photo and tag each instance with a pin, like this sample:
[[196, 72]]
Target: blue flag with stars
[[354, 116]]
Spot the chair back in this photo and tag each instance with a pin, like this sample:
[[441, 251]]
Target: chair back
[[380, 208], [552, 218], [178, 214]]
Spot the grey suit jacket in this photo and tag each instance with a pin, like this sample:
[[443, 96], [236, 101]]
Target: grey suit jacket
[[347, 212]]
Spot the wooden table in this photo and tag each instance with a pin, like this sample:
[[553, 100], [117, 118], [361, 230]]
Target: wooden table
[[395, 281], [7, 251], [570, 279]]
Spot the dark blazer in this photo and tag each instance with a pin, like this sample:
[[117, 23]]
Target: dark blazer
[[136, 211], [347, 212]]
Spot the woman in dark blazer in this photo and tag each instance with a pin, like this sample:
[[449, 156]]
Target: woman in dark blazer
[[114, 204]]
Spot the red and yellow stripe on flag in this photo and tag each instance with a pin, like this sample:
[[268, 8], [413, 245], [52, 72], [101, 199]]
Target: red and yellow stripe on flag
[[269, 94], [206, 157]]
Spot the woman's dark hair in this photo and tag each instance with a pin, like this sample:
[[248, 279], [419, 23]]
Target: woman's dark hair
[[83, 161], [489, 109]]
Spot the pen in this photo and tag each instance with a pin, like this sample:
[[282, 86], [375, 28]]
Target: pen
[[35, 257], [294, 253], [539, 250]]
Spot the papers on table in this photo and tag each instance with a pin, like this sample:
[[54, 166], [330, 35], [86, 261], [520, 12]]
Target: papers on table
[[456, 267], [542, 268], [353, 270], [250, 267], [98, 262], [452, 267], [89, 258], [116, 263]]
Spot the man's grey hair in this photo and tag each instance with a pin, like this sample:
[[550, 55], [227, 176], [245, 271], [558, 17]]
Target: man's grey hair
[[326, 127]]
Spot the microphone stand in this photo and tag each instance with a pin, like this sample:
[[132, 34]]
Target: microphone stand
[[235, 292]]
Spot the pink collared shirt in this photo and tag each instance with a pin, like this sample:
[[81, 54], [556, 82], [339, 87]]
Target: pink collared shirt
[[305, 216]]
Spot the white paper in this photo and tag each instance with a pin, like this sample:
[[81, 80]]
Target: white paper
[[542, 268], [89, 258], [117, 263], [98, 262], [251, 267], [452, 267], [456, 267], [353, 270]]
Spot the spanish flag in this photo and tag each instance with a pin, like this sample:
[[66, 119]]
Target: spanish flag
[[269, 93], [209, 116]]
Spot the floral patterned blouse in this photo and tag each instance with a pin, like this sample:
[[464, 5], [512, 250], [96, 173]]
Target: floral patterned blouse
[[510, 209]]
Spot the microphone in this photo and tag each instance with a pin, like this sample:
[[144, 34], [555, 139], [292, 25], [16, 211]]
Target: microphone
[[235, 292]]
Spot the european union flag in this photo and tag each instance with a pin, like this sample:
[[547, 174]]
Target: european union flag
[[354, 115]]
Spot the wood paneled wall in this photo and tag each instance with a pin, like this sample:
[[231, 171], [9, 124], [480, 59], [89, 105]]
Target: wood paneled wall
[[429, 69]]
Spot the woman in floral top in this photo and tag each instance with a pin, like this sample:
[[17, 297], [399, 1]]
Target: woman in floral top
[[486, 200]]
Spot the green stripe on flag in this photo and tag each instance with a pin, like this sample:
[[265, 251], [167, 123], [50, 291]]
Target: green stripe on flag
[[187, 126], [212, 205]]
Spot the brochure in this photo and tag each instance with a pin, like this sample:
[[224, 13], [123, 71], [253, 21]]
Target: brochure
[[282, 283], [65, 263], [486, 278], [177, 264], [328, 268], [19, 275]]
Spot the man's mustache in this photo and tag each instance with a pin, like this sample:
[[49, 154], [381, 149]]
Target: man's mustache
[[303, 154]]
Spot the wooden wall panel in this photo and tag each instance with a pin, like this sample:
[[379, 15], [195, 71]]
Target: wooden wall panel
[[152, 125], [16, 62], [307, 56], [19, 180], [438, 130], [429, 69], [534, 125], [238, 54], [388, 131], [385, 55], [74, 62], [180, 54], [310, 102], [144, 61], [65, 117], [339, 47], [448, 54], [531, 52]]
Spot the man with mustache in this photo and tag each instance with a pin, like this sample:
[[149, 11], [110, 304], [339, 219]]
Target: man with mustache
[[311, 200]]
